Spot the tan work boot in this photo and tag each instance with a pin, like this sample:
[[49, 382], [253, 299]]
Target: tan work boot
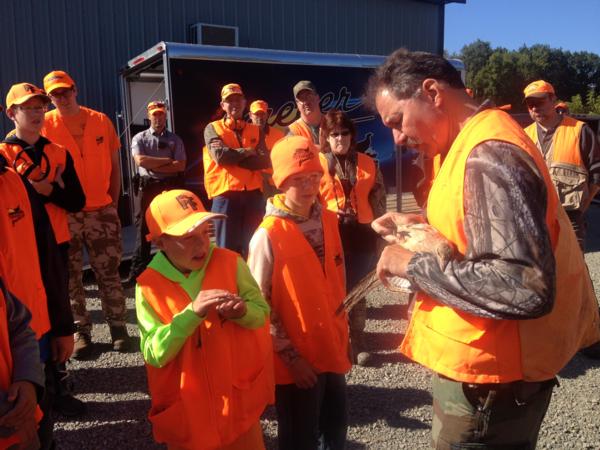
[[83, 345], [120, 338]]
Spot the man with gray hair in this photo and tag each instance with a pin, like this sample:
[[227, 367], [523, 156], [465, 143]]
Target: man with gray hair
[[498, 320]]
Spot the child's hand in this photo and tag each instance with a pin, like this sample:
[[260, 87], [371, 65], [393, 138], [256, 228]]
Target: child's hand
[[23, 394], [304, 375], [234, 308], [43, 187], [205, 299]]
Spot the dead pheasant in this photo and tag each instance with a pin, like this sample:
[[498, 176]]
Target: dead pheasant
[[420, 237]]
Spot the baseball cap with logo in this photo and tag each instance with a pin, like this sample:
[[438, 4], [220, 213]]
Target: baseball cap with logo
[[156, 106], [230, 89], [539, 88], [57, 79], [259, 105], [304, 85], [293, 155], [176, 213], [21, 92]]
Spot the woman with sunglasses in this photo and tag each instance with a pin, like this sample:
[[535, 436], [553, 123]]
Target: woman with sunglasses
[[353, 188]]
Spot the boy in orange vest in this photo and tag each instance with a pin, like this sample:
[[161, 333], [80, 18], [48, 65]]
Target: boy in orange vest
[[203, 330], [49, 172], [296, 257]]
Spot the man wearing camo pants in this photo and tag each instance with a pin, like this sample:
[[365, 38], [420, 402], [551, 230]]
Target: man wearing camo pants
[[93, 143]]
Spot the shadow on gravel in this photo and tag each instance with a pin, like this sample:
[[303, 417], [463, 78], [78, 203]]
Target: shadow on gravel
[[387, 312], [369, 404], [379, 359], [112, 411], [114, 380], [578, 366], [383, 341]]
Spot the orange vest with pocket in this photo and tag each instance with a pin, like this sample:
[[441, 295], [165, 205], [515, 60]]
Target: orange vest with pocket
[[306, 295], [332, 192], [93, 162], [220, 382], [57, 157], [19, 249], [569, 174], [219, 179], [473, 349], [6, 367]]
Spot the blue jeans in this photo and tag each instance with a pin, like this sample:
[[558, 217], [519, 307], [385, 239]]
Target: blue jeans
[[244, 211], [315, 418]]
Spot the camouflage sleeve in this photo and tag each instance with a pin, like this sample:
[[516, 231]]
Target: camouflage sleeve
[[508, 271], [590, 153], [218, 151]]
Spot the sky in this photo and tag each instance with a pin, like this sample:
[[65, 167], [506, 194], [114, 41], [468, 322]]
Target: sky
[[568, 24]]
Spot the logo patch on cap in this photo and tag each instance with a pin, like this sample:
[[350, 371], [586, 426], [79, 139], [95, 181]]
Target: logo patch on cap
[[186, 202], [302, 155]]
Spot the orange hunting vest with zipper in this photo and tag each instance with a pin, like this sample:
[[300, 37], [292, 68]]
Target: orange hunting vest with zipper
[[473, 349], [219, 179], [569, 174], [306, 295], [220, 382], [332, 191], [93, 162], [57, 157], [18, 247]]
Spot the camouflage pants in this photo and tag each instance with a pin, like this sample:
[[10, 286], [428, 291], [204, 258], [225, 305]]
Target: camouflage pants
[[99, 231], [488, 416]]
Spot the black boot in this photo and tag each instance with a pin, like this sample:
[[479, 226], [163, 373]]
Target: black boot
[[64, 402]]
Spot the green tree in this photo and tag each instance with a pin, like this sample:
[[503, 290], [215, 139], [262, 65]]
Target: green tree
[[475, 57], [576, 105]]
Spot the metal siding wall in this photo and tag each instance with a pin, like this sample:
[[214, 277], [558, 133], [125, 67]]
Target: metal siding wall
[[93, 39]]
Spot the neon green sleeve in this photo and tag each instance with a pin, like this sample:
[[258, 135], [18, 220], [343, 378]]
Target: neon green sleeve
[[257, 307], [159, 342]]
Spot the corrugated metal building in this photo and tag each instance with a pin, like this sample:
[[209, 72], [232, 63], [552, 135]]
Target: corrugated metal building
[[92, 39]]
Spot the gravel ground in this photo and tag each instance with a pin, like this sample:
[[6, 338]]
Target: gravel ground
[[389, 403]]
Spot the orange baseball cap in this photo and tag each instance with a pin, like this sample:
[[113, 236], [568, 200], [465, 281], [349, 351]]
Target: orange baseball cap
[[292, 155], [259, 105], [57, 79], [230, 89], [176, 213], [156, 106], [539, 88], [21, 92]]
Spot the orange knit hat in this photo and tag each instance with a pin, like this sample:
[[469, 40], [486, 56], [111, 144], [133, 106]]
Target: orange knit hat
[[292, 155]]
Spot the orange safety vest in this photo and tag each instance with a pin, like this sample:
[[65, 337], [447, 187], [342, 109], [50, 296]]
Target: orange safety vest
[[222, 378], [6, 368], [219, 179], [300, 128], [57, 157], [473, 349], [306, 295], [569, 174], [273, 136], [19, 249], [93, 162], [332, 191], [431, 167]]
